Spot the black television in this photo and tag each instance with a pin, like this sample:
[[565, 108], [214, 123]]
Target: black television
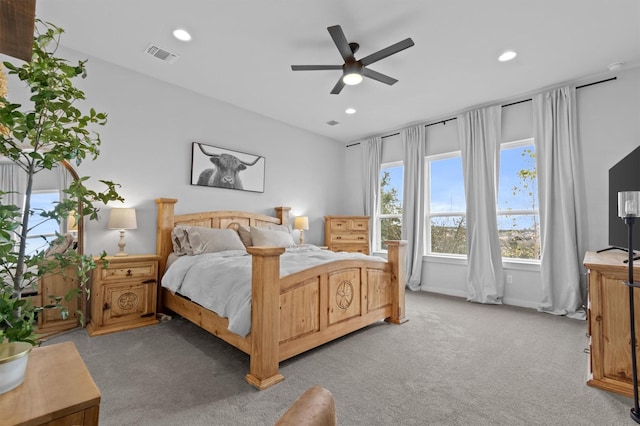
[[623, 176]]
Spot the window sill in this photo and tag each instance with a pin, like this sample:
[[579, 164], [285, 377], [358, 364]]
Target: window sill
[[512, 264]]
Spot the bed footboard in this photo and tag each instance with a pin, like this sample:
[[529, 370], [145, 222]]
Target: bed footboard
[[296, 313]]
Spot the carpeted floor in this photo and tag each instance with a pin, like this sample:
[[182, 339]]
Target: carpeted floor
[[453, 363]]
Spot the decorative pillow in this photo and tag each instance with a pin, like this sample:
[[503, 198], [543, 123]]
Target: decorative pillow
[[59, 245], [268, 237], [211, 240], [245, 233], [180, 241]]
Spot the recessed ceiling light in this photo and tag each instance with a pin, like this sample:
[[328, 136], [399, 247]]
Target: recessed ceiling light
[[350, 110], [507, 56], [181, 34], [615, 66]]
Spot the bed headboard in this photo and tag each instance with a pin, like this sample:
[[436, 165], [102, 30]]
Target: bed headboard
[[167, 220]]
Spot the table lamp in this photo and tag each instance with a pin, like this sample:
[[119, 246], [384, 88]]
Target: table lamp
[[121, 219], [629, 210], [301, 223]]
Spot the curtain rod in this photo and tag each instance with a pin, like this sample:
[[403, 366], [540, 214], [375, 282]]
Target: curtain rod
[[503, 106]]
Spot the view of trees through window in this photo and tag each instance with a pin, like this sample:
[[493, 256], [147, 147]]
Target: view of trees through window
[[390, 218], [517, 204], [518, 217], [43, 230], [447, 205]]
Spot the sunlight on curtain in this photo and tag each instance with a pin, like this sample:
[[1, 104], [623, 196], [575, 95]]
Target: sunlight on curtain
[[479, 133], [561, 194], [371, 159], [413, 143]]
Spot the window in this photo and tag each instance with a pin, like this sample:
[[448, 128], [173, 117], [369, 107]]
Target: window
[[518, 215], [43, 230], [390, 199], [446, 205]]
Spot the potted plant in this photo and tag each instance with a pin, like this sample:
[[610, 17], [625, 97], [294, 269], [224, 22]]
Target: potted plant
[[37, 137]]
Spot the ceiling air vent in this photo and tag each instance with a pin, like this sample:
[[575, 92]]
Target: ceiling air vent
[[162, 54], [333, 123]]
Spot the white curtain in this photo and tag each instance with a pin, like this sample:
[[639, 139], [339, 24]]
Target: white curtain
[[479, 136], [562, 206], [371, 159], [413, 144], [13, 180]]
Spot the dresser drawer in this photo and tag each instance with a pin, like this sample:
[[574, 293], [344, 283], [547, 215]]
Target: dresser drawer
[[124, 271], [352, 248], [346, 225], [349, 237]]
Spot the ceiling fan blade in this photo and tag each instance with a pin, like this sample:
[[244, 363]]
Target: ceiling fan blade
[[378, 76], [315, 67], [17, 21], [338, 87], [341, 43], [388, 51]]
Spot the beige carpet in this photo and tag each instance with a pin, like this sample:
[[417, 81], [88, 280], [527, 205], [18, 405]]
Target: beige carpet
[[453, 363]]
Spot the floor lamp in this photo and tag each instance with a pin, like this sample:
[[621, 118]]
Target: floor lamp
[[629, 210]]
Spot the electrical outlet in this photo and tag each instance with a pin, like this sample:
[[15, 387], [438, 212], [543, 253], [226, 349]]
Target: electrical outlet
[[509, 279]]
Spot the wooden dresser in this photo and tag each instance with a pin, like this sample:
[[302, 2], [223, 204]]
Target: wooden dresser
[[57, 390], [608, 321], [123, 294], [347, 233]]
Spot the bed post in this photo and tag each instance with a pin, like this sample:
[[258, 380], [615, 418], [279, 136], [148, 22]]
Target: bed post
[[396, 256], [164, 246], [265, 317], [283, 214]]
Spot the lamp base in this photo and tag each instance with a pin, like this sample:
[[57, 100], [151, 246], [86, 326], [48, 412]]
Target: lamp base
[[634, 415], [121, 253]]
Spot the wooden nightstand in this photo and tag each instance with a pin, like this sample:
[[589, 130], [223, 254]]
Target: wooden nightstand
[[124, 294], [57, 390]]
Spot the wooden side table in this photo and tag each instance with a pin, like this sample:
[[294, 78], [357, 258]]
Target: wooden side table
[[57, 390], [123, 294]]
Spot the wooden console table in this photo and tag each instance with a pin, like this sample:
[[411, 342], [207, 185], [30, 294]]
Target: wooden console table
[[57, 389], [608, 321]]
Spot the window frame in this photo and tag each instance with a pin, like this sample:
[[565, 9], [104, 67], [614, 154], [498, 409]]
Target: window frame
[[377, 239], [427, 208], [519, 212], [31, 235]]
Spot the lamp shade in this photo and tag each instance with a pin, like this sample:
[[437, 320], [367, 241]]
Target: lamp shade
[[629, 204], [72, 225], [122, 218], [301, 222]]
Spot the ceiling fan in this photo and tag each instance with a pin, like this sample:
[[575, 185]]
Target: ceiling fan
[[17, 22], [354, 70]]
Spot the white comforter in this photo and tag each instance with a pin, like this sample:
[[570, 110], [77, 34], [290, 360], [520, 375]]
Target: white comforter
[[221, 281]]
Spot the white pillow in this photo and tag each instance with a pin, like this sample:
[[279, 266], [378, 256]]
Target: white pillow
[[271, 238], [192, 240], [245, 233], [211, 240]]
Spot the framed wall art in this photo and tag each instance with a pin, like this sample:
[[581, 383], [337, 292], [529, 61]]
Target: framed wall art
[[223, 168]]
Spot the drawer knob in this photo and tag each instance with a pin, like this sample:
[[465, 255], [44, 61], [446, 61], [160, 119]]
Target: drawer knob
[[106, 307], [129, 273], [338, 238]]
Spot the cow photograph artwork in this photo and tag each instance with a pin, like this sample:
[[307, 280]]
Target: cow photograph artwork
[[223, 168]]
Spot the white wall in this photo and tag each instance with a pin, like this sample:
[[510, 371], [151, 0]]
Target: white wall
[[146, 147], [608, 127]]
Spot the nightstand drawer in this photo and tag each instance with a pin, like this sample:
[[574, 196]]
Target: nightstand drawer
[[123, 271]]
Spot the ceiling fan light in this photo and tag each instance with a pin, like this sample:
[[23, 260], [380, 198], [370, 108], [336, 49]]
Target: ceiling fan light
[[352, 78], [182, 35]]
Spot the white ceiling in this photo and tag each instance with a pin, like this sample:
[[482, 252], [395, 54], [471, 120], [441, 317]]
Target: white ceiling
[[242, 51]]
